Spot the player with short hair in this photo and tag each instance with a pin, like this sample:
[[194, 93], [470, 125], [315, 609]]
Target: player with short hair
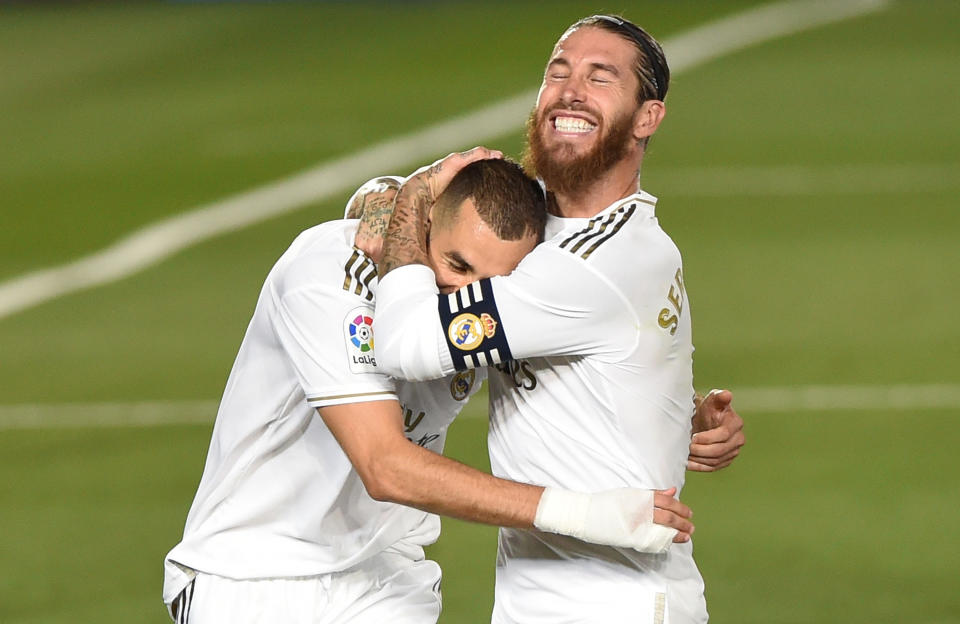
[[296, 517], [590, 335]]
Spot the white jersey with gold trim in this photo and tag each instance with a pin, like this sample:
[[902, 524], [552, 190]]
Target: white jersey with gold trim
[[278, 497], [591, 337]]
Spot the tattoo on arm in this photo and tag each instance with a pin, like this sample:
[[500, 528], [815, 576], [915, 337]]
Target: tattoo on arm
[[375, 216], [406, 239]]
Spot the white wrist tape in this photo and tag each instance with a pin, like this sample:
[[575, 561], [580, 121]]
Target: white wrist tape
[[621, 517]]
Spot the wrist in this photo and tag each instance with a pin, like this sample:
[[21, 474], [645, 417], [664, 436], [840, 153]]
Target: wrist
[[562, 511]]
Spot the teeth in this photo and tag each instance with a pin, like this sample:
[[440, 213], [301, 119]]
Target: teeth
[[572, 124]]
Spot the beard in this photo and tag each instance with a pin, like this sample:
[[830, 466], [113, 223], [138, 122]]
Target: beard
[[561, 169]]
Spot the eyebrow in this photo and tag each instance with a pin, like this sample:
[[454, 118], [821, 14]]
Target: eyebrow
[[596, 66], [459, 260], [606, 67]]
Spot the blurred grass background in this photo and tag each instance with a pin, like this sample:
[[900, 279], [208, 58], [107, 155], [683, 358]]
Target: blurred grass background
[[811, 183]]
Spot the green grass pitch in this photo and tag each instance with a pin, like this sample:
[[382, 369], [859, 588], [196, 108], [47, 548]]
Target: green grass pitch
[[810, 181]]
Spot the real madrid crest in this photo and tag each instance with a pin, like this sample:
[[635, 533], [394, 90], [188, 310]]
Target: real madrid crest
[[461, 384], [467, 331]]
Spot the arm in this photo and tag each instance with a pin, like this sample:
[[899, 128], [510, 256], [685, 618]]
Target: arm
[[717, 432], [406, 238], [373, 204], [393, 469], [552, 304]]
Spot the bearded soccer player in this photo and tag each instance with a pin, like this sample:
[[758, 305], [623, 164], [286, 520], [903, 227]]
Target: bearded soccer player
[[591, 337], [296, 516]]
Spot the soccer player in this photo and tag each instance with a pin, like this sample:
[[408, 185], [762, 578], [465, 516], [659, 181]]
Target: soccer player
[[590, 335], [295, 518]]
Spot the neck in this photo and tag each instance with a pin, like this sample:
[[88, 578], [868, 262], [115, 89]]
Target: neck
[[621, 181]]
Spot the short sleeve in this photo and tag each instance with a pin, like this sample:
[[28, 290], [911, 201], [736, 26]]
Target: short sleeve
[[328, 338]]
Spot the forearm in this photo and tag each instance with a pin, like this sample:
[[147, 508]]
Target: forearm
[[406, 239], [420, 478]]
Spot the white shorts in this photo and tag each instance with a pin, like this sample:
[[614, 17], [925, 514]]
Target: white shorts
[[385, 588]]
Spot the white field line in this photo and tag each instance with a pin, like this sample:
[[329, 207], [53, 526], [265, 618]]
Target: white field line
[[782, 181], [748, 402], [152, 244]]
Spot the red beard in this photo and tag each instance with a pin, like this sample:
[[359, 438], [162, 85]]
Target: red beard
[[566, 173]]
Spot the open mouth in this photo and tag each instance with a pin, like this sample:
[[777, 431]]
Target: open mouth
[[568, 124]]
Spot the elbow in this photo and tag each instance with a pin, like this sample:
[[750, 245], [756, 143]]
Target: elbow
[[381, 480]]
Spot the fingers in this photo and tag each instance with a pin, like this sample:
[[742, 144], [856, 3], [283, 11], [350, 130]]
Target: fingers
[[699, 463], [716, 442], [670, 512], [667, 502], [442, 171], [676, 521], [719, 398], [473, 154], [700, 466]]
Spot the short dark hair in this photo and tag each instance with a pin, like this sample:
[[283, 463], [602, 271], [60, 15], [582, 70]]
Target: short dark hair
[[511, 203], [651, 67]]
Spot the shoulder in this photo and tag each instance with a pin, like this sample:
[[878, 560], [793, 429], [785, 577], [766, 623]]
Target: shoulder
[[324, 258], [625, 237]]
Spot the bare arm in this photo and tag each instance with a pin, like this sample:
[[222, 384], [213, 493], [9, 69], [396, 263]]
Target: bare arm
[[406, 238], [394, 469], [373, 204]]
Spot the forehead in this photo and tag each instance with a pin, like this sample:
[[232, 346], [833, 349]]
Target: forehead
[[591, 44], [470, 237]]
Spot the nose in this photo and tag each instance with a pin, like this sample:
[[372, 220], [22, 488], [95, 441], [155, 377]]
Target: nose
[[573, 92], [452, 284]]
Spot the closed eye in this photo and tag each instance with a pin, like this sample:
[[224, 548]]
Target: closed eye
[[458, 264]]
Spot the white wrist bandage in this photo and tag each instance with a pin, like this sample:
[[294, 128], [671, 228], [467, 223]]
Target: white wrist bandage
[[622, 517]]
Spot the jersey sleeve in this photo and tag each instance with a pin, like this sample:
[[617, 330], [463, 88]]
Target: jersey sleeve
[[328, 339], [553, 304]]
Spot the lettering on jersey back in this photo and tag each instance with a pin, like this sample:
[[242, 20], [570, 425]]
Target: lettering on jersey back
[[520, 373], [669, 317]]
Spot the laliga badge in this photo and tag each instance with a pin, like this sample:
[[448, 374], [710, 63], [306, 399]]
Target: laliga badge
[[467, 331], [358, 338]]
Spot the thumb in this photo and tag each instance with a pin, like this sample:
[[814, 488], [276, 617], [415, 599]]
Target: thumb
[[719, 399]]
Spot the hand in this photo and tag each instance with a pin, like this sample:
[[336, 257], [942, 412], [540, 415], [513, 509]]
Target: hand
[[438, 175], [373, 203], [669, 512], [718, 433], [645, 520]]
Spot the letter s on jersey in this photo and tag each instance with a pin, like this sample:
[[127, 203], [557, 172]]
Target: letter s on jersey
[[669, 317]]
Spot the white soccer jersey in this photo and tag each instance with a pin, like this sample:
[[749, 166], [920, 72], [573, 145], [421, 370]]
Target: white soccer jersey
[[278, 496], [592, 339]]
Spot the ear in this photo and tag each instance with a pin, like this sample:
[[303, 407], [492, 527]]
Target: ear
[[648, 119]]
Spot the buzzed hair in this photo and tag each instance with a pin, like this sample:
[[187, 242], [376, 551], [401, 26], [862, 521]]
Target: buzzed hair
[[508, 201]]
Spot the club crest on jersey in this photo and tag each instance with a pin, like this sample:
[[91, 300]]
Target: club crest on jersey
[[467, 331], [461, 384], [358, 336]]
